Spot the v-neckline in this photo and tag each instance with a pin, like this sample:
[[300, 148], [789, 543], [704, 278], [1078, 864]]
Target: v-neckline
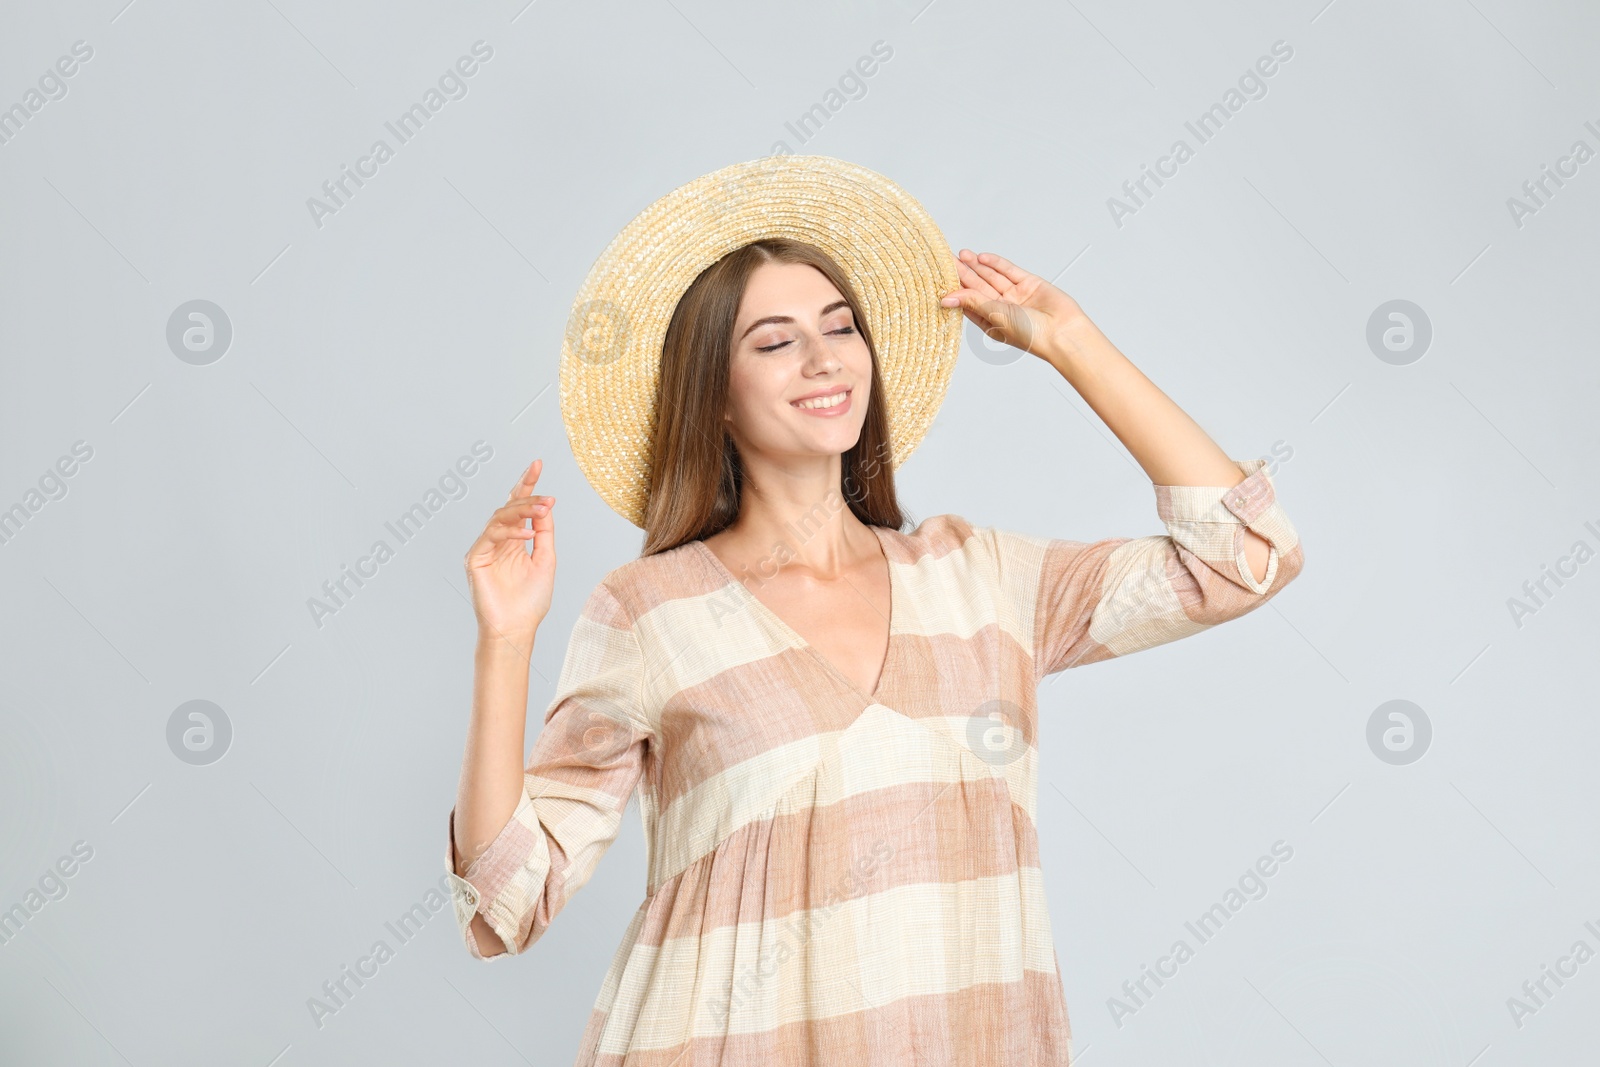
[[794, 637]]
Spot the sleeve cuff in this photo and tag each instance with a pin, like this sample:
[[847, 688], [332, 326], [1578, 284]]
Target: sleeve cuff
[[1240, 504], [1209, 521], [478, 892]]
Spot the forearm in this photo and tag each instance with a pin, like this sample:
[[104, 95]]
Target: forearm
[[492, 768], [1168, 444]]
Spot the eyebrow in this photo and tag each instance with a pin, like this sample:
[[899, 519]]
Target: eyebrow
[[835, 306]]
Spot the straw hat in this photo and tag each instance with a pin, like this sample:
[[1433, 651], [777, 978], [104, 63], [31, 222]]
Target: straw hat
[[884, 240]]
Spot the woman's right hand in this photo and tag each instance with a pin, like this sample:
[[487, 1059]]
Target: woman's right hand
[[511, 587]]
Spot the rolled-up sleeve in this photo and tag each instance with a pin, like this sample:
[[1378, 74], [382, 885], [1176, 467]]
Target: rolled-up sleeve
[[1082, 602], [585, 764]]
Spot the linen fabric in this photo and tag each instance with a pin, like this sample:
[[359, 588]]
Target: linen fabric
[[837, 876]]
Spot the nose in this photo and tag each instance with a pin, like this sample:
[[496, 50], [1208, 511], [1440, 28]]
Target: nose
[[818, 354]]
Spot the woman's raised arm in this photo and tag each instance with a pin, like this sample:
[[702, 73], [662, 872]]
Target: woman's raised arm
[[511, 591], [1027, 312], [1228, 548]]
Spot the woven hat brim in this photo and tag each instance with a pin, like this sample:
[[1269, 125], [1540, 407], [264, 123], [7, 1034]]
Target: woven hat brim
[[886, 242]]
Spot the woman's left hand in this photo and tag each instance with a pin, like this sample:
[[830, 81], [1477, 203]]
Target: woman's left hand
[[1012, 306]]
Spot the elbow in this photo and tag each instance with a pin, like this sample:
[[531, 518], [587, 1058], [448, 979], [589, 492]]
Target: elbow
[[508, 894], [498, 926], [500, 938], [1210, 598], [1290, 564], [1293, 564]]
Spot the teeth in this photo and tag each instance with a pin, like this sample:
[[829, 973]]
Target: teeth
[[824, 401]]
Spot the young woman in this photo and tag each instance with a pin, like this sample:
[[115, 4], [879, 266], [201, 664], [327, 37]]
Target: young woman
[[830, 723]]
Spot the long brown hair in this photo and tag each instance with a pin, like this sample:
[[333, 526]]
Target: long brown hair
[[696, 476]]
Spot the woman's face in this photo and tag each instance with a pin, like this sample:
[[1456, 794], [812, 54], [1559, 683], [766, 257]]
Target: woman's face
[[795, 337]]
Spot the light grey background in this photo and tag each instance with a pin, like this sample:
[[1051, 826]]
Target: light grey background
[[370, 353]]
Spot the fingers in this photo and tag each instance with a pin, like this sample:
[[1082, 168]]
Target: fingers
[[975, 304], [1000, 267], [996, 311], [994, 318], [971, 299], [1002, 285], [497, 533], [506, 525], [1001, 320], [970, 262], [527, 481], [531, 507], [544, 525], [975, 281], [956, 298]]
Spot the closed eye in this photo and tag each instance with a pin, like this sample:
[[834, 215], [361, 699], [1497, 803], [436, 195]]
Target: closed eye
[[780, 344]]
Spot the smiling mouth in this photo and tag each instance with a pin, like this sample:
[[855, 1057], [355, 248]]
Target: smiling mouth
[[819, 403]]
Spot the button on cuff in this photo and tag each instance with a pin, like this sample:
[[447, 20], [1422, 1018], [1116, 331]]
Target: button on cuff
[[463, 890]]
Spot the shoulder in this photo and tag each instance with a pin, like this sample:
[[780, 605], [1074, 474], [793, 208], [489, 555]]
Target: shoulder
[[634, 588], [1001, 558], [951, 546], [949, 534], [941, 534]]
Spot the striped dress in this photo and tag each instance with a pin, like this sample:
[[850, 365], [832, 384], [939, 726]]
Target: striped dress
[[834, 876]]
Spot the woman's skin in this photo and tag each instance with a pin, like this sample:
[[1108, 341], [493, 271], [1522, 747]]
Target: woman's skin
[[832, 587], [794, 336], [511, 591]]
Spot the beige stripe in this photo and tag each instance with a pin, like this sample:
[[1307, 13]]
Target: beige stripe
[[920, 832], [707, 635], [717, 629], [953, 594], [1015, 561], [979, 1026], [753, 708], [935, 536], [602, 664], [1217, 503], [741, 713], [844, 762], [926, 938], [1138, 606], [720, 673], [976, 1026]]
